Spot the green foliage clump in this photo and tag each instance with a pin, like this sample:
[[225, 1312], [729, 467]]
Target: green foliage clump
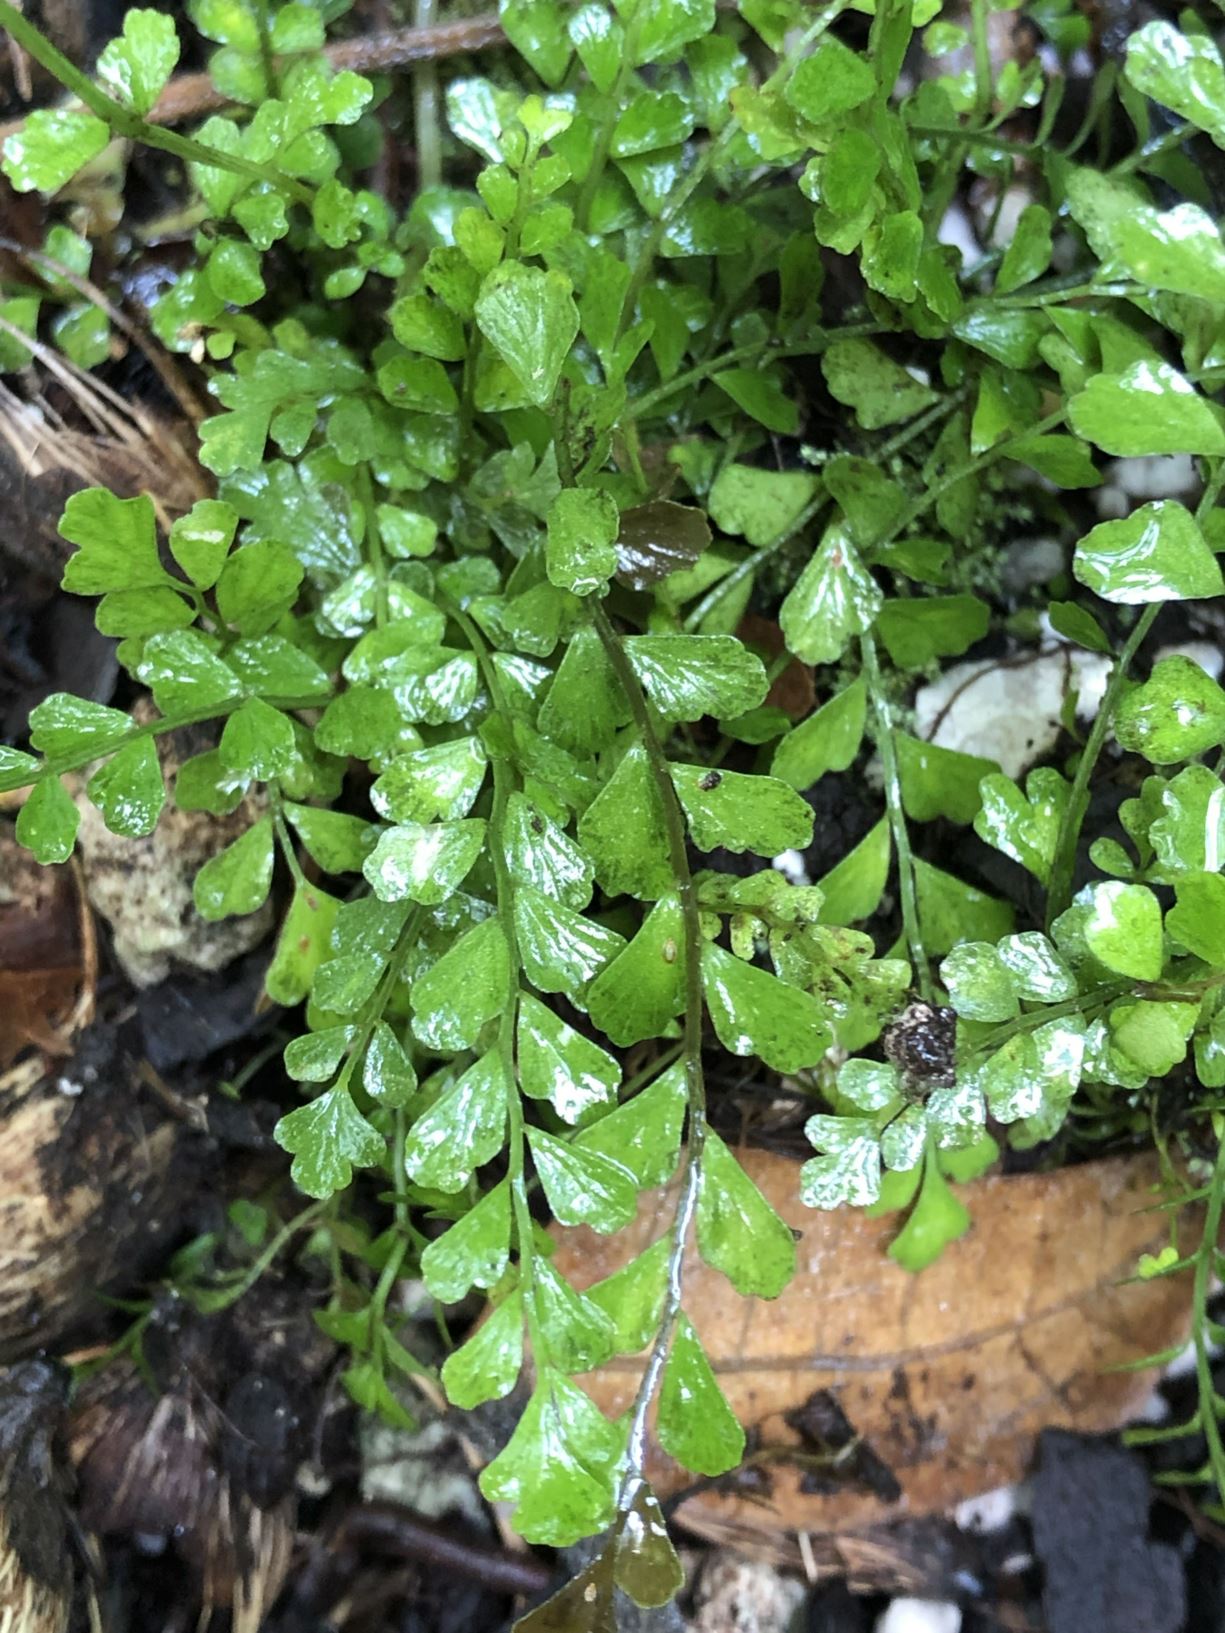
[[466, 608]]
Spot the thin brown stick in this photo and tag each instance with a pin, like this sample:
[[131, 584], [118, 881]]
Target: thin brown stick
[[159, 360], [191, 96]]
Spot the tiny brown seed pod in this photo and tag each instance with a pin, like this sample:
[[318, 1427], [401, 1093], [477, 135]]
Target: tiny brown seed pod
[[36, 1575]]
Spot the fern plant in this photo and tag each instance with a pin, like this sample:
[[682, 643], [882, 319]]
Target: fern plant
[[497, 482]]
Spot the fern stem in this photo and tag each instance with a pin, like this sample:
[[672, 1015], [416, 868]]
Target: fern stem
[[1059, 891], [907, 894], [1202, 1288], [674, 821], [516, 1128], [425, 105], [124, 122]]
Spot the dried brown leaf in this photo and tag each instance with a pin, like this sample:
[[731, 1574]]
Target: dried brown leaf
[[947, 1376]]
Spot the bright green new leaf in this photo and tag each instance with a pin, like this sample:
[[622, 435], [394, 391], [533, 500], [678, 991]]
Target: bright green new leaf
[[584, 1187], [338, 842], [561, 950], [1076, 623], [696, 1426], [185, 675], [63, 725], [834, 599], [754, 1013], [915, 631], [1147, 409], [257, 741], [427, 783], [48, 821], [760, 504], [761, 396], [651, 120], [580, 1332], [664, 29], [585, 704], [830, 82], [644, 1134], [738, 812], [387, 1073], [951, 911], [1122, 929], [1179, 250], [581, 549], [530, 318], [474, 1252], [827, 741], [939, 781], [1189, 835], [1197, 920], [463, 1129], [739, 1233], [116, 543], [51, 146], [1025, 826], [313, 1057], [466, 988], [540, 853], [129, 791], [258, 583], [487, 1366], [1156, 554], [624, 832], [560, 1065], [633, 1298], [302, 944], [642, 989], [1153, 1036], [17, 769], [134, 67], [688, 676], [853, 887], [980, 985], [328, 1139], [423, 862], [936, 1219], [559, 1466], [880, 391], [237, 879], [1177, 713], [201, 540], [1029, 253], [1181, 71]]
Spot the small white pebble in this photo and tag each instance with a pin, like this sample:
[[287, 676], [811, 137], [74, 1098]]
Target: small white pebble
[[1015, 200], [1156, 1409], [1009, 712], [955, 229], [1155, 476], [920, 1616], [1031, 561], [1205, 653], [1111, 503], [791, 865], [1183, 1364], [990, 1512]]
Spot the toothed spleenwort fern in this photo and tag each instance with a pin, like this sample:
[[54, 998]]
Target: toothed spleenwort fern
[[497, 483]]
